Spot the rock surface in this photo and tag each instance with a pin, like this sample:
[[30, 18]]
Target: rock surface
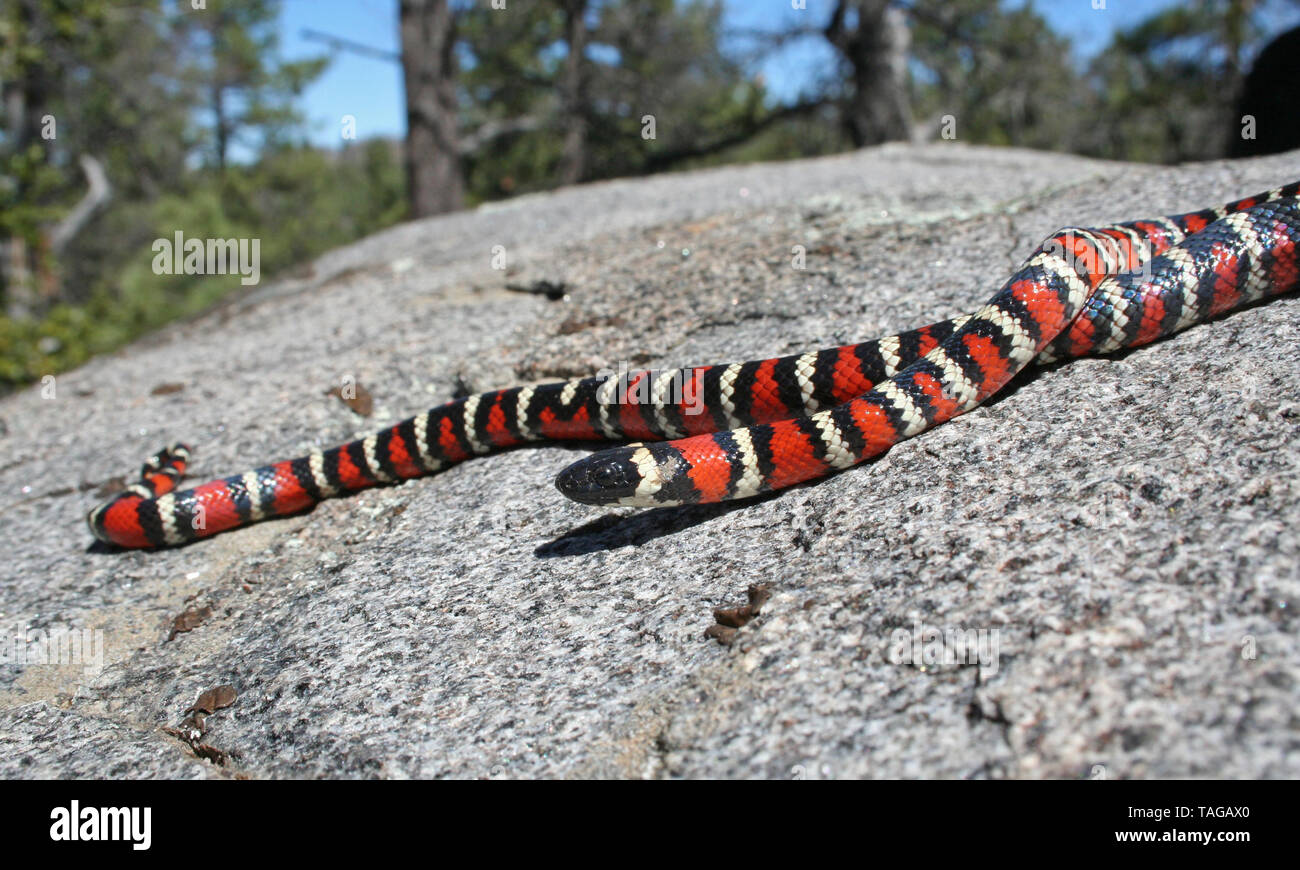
[[1123, 530]]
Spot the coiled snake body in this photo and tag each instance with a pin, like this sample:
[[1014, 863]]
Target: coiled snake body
[[734, 431]]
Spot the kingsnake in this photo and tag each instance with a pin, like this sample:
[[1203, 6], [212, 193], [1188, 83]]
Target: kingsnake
[[733, 431]]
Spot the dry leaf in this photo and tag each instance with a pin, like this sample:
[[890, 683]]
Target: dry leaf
[[215, 699], [731, 618], [211, 753], [189, 619], [721, 633], [111, 486], [357, 398]]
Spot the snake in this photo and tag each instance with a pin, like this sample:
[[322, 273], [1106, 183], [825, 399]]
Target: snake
[[715, 433]]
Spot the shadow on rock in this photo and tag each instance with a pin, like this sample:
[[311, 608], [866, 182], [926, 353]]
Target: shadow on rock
[[613, 531]]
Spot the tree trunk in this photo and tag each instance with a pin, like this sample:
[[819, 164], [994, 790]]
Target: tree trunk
[[433, 171], [876, 49], [220, 126], [573, 156], [24, 103]]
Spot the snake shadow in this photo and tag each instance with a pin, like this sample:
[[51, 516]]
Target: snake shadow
[[612, 531]]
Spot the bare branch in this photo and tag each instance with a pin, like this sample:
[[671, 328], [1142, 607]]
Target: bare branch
[[73, 222], [490, 130], [342, 44], [776, 37], [663, 160]]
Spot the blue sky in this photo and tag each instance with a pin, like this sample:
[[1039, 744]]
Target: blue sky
[[371, 90]]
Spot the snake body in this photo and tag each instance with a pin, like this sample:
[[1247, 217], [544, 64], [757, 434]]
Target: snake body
[[733, 431]]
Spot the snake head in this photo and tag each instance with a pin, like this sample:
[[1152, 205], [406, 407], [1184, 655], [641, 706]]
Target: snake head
[[603, 478]]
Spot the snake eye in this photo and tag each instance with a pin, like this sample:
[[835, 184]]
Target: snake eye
[[607, 475]]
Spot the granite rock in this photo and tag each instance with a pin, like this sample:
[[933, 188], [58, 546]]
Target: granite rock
[[1117, 534]]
